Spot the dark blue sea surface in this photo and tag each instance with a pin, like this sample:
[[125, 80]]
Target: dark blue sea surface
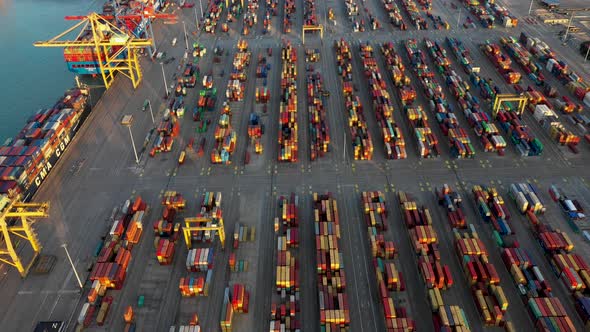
[[31, 77]]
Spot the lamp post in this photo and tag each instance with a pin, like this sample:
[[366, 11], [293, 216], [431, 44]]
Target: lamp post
[[201, 7], [587, 53], [151, 111], [127, 121], [164, 77], [567, 30], [531, 7], [65, 246], [196, 18]]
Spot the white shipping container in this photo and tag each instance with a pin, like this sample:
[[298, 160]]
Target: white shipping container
[[83, 312], [550, 64], [570, 205]]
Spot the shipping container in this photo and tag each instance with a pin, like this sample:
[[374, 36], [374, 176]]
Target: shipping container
[[393, 140]]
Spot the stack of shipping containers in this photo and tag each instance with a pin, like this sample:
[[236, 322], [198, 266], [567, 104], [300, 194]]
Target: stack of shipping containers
[[288, 141], [290, 9], [448, 122], [393, 139], [428, 144], [225, 137], [318, 119], [362, 144], [571, 269], [415, 15], [480, 274], [333, 302], [574, 83], [166, 231], [285, 312], [389, 279], [524, 59], [113, 258], [435, 275], [519, 133], [546, 311], [238, 76], [480, 121], [394, 13]]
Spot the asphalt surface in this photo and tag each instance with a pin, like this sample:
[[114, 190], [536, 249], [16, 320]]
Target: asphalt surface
[[82, 198]]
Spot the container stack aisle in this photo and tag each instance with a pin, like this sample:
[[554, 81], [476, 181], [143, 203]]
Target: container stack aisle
[[571, 269], [428, 145], [352, 11], [285, 313], [113, 257], [166, 229], [236, 300], [524, 59], [394, 13], [479, 120], [418, 119], [288, 132], [256, 125], [415, 15], [536, 292], [549, 121], [333, 301], [436, 276], [225, 137], [250, 17], [459, 140], [288, 15], [491, 14], [362, 143], [518, 133], [393, 138], [480, 274], [199, 261], [213, 15], [501, 61], [383, 253], [558, 68], [319, 131]]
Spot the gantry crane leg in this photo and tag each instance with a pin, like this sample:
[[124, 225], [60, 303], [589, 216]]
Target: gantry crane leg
[[194, 225], [23, 215]]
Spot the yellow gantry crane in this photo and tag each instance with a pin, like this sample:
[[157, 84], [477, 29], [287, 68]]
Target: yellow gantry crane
[[16, 220], [200, 224], [105, 39], [503, 98], [307, 28]]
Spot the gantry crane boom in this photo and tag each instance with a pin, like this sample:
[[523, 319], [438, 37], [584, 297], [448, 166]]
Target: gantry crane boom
[[17, 219], [163, 16], [200, 224], [104, 37], [503, 98]]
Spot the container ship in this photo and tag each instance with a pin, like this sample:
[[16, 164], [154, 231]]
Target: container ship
[[132, 16], [27, 159]]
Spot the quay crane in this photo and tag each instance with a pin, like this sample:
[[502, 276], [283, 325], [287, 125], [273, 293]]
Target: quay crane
[[115, 49], [16, 221]]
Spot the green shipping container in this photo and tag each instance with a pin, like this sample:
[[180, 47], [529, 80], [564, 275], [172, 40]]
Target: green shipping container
[[498, 238]]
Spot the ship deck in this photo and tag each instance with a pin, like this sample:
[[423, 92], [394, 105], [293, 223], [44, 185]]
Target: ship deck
[[98, 172]]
